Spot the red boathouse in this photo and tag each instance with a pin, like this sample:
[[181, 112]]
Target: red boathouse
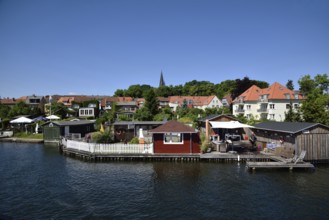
[[175, 138]]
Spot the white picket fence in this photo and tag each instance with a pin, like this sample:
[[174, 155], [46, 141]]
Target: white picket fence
[[108, 148]]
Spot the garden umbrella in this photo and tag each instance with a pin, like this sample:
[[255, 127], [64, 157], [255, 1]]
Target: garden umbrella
[[53, 117], [21, 120]]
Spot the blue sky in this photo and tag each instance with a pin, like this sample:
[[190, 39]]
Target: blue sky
[[96, 47]]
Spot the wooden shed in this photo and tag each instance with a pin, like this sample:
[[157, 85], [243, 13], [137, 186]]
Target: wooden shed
[[175, 138], [312, 137], [53, 130]]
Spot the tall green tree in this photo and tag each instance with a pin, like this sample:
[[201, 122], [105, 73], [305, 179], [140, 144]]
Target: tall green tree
[[225, 88], [293, 116], [151, 102], [306, 84], [20, 108], [290, 85], [315, 107]]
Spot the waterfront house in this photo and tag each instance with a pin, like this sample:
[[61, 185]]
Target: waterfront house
[[270, 103], [175, 138], [53, 130], [311, 137]]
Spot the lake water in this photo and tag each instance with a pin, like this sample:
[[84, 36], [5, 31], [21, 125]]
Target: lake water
[[39, 183]]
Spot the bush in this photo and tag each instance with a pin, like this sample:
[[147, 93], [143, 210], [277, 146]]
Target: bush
[[135, 140]]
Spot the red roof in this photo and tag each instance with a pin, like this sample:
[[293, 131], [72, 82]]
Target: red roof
[[196, 100], [173, 126], [275, 91]]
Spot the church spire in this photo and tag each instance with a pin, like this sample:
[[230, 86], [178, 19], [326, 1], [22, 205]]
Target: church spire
[[162, 82]]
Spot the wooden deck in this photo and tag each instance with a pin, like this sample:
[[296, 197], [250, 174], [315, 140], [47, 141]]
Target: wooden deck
[[254, 165]]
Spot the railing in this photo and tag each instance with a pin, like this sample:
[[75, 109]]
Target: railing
[[117, 148], [239, 110], [262, 110], [263, 100]]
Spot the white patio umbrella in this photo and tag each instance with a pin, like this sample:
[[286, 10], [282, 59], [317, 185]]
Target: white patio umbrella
[[21, 120], [53, 117]]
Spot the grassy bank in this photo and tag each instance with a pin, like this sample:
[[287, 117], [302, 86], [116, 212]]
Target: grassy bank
[[28, 135]]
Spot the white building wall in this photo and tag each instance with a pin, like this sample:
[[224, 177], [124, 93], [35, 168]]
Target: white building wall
[[277, 113]]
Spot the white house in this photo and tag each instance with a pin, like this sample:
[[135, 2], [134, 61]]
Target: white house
[[270, 103]]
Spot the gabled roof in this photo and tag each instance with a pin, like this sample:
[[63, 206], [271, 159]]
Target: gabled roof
[[288, 127], [8, 101], [212, 117], [251, 94], [174, 127], [196, 100], [70, 123], [138, 122], [275, 91], [105, 100], [278, 91]]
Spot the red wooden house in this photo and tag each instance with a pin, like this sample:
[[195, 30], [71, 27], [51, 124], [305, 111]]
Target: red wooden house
[[175, 138]]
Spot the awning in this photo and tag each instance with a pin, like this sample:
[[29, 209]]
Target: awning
[[228, 124]]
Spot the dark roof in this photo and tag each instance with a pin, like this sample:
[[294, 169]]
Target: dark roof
[[211, 117], [70, 123], [287, 127], [173, 126], [138, 122]]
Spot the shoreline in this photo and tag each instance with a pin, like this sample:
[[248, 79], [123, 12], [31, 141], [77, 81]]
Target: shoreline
[[21, 140]]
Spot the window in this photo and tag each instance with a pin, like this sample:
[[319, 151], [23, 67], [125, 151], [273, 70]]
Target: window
[[90, 112], [296, 106], [287, 106], [86, 112], [272, 116], [173, 138], [248, 107], [82, 112], [272, 106]]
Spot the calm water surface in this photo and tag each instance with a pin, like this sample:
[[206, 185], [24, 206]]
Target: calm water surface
[[36, 182]]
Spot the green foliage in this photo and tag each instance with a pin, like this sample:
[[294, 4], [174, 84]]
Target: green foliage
[[205, 143], [151, 102], [20, 108], [143, 114], [293, 116], [28, 135], [224, 88], [314, 107], [100, 137], [290, 85], [306, 84], [246, 83], [135, 140], [59, 109]]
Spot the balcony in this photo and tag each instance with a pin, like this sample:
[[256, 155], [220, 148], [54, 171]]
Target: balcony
[[262, 110], [263, 100], [239, 110]]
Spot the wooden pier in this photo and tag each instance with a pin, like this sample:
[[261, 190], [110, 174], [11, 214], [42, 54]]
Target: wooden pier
[[290, 166]]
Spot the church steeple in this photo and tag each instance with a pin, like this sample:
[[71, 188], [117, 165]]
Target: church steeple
[[162, 82]]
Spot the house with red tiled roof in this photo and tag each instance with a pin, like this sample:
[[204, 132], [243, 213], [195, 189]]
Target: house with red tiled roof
[[201, 102], [175, 138], [270, 103]]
